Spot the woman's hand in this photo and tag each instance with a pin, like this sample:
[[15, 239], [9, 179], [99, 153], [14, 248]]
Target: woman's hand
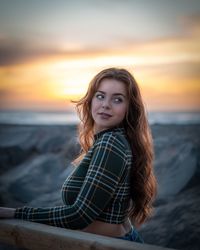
[[7, 213]]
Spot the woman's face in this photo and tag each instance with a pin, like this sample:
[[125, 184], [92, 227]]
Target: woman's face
[[109, 104]]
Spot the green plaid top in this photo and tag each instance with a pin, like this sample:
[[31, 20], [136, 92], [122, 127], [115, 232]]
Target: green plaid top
[[97, 189]]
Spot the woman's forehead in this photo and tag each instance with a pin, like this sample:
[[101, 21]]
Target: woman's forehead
[[112, 86]]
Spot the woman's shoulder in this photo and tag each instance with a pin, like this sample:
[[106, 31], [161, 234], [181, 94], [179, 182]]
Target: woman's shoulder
[[113, 137]]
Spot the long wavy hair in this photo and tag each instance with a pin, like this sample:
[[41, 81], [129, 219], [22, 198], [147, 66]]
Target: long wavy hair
[[142, 179]]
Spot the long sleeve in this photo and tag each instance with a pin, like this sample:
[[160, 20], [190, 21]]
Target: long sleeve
[[104, 172]]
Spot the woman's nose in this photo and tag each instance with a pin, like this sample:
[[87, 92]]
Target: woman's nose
[[106, 104]]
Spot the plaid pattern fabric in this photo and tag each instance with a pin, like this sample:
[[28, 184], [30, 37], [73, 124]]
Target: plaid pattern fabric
[[97, 189]]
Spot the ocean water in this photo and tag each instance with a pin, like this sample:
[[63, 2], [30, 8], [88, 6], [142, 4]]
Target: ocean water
[[69, 118], [174, 117]]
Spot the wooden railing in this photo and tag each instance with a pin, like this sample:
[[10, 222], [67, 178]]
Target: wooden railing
[[35, 236]]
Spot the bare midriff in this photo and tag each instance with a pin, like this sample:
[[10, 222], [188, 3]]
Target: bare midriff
[[107, 229]]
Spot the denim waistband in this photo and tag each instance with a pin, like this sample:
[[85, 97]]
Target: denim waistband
[[132, 235]]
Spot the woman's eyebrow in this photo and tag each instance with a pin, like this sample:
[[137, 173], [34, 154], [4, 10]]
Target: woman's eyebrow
[[112, 94], [119, 94]]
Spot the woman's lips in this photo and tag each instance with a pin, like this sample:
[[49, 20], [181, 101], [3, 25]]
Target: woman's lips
[[104, 115]]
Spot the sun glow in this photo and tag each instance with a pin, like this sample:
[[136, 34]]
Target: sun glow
[[55, 81], [47, 61]]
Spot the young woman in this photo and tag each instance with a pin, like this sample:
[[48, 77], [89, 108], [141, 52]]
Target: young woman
[[113, 185]]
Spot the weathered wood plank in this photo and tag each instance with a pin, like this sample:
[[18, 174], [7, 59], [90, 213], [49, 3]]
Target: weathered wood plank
[[35, 236]]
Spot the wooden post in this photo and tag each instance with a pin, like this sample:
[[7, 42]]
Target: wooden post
[[35, 236]]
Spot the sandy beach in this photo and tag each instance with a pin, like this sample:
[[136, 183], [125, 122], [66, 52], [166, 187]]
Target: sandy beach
[[40, 156]]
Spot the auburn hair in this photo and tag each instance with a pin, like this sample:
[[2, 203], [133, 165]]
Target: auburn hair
[[142, 179]]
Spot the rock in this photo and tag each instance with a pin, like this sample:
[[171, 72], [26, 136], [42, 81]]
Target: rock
[[18, 143], [36, 161], [12, 156], [176, 224], [176, 221], [175, 165], [29, 180]]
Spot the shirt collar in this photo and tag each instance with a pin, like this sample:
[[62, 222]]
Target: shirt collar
[[119, 130]]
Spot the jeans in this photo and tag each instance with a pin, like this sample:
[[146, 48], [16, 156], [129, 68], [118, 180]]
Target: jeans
[[133, 235]]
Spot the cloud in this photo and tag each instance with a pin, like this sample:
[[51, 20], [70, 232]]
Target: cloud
[[4, 93], [14, 52], [190, 24]]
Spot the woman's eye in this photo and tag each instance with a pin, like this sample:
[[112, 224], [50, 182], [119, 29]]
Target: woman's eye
[[118, 100], [99, 96]]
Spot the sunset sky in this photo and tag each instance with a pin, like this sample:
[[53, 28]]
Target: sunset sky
[[50, 50]]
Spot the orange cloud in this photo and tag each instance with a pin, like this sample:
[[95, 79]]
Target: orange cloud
[[168, 71]]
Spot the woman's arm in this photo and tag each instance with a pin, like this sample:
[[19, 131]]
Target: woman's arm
[[7, 213], [104, 172]]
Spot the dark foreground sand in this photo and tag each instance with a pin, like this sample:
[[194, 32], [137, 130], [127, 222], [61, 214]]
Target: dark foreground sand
[[40, 156]]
